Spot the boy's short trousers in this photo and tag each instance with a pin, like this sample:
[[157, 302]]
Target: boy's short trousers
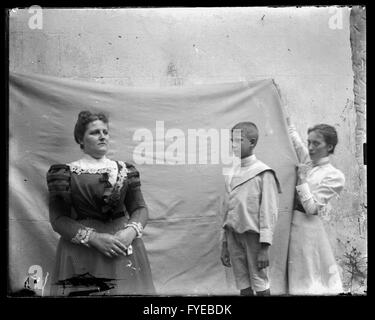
[[243, 250]]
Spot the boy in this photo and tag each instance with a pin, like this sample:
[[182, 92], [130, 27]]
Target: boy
[[250, 214]]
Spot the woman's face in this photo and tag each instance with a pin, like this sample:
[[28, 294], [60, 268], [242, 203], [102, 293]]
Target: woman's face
[[317, 146], [95, 139]]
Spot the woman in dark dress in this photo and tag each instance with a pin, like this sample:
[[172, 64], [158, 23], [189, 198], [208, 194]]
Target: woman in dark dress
[[97, 207]]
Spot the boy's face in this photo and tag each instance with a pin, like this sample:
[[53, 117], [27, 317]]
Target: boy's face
[[242, 147]]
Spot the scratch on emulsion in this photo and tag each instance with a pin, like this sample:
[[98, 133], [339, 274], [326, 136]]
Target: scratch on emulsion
[[130, 265]]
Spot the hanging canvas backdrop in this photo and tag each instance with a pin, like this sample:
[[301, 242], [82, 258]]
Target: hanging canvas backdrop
[[177, 137]]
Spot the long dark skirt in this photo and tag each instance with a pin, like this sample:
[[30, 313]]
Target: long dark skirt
[[83, 271]]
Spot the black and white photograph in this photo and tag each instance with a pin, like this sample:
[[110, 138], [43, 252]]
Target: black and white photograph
[[187, 151]]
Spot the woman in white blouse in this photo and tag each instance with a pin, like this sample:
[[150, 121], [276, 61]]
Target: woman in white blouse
[[312, 268]]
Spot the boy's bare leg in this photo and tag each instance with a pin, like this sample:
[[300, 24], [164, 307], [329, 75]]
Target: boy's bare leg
[[247, 292], [264, 293]]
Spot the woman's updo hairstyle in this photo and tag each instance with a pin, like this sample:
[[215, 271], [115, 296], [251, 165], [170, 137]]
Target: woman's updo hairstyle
[[328, 132], [84, 118]]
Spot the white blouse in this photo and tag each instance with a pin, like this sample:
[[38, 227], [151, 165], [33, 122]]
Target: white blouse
[[323, 181]]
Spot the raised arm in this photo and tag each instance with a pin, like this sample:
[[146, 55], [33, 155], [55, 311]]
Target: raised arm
[[299, 146]]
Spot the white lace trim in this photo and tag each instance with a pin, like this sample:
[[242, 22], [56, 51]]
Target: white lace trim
[[79, 170], [92, 166], [122, 175], [82, 236]]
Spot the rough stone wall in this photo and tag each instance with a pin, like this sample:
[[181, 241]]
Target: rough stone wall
[[308, 51], [354, 260]]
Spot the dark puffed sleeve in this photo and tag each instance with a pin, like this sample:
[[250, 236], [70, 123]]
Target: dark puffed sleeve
[[134, 202], [58, 181]]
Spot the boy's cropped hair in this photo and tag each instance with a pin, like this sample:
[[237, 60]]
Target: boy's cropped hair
[[249, 128]]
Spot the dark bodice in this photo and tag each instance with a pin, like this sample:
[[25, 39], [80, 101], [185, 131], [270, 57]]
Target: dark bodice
[[91, 195], [87, 196]]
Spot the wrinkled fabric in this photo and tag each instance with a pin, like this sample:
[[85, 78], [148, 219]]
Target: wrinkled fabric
[[182, 237]]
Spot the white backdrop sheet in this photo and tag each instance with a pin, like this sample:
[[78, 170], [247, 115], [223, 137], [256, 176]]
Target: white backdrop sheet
[[184, 200]]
